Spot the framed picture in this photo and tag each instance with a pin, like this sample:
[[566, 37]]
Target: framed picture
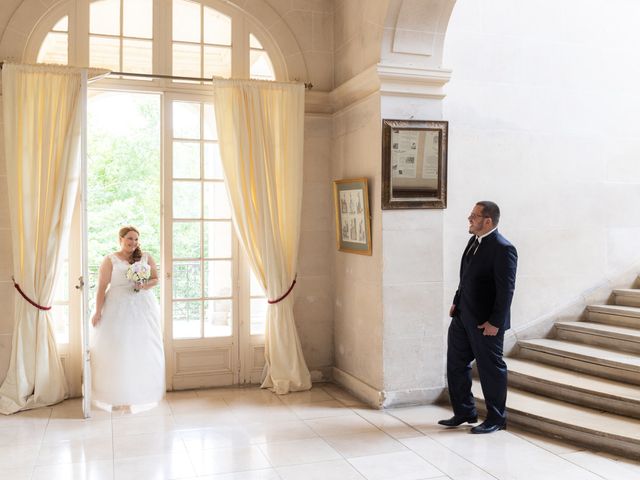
[[414, 164], [353, 226]]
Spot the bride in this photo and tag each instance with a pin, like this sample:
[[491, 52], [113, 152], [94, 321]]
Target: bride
[[127, 358]]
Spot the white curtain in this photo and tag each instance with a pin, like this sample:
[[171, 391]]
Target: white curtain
[[41, 134], [260, 129]]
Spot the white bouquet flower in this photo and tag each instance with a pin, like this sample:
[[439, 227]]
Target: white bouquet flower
[[138, 273]]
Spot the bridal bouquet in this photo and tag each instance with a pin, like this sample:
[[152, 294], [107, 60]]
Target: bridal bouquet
[[139, 273]]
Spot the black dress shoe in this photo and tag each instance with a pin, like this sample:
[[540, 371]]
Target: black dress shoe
[[456, 421], [485, 427]]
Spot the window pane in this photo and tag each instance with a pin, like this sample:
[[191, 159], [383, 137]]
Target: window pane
[[104, 52], [137, 56], [186, 279], [217, 240], [186, 120], [217, 318], [61, 293], [186, 319], [210, 129], [261, 67], [186, 159], [186, 60], [54, 49], [60, 323], [217, 278], [105, 17], [253, 42], [255, 289], [186, 21], [212, 162], [217, 62], [258, 315], [62, 25], [217, 27], [186, 240], [138, 18], [186, 200], [216, 204]]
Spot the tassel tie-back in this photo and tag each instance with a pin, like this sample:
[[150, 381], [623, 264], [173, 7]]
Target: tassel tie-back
[[279, 299], [39, 307]]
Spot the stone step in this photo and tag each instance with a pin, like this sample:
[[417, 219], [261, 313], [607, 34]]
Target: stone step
[[600, 334], [601, 362], [569, 386], [614, 315], [595, 429], [629, 297]]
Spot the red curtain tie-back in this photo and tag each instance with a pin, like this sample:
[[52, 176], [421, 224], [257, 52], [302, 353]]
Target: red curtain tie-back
[[271, 302], [39, 307]]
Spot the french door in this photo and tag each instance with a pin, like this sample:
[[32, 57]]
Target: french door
[[213, 310], [214, 313]]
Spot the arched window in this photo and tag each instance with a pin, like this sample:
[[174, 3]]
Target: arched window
[[179, 37], [214, 310]]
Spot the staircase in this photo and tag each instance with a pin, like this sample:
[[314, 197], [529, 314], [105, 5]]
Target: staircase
[[583, 385]]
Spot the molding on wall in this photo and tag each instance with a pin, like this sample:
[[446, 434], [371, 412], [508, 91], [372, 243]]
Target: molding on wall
[[358, 388], [387, 79], [412, 81]]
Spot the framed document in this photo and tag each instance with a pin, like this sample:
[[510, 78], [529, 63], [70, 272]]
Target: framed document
[[353, 226], [414, 164]]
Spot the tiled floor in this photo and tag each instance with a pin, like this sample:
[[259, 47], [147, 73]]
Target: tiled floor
[[248, 433]]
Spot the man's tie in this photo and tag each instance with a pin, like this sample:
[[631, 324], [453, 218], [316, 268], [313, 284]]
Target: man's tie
[[472, 250]]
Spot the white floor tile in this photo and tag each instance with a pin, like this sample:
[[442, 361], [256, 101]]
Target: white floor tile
[[169, 466], [18, 456], [607, 466], [329, 408], [395, 466], [342, 425], [253, 434], [450, 463], [135, 425], [299, 452], [168, 443], [76, 451], [363, 444], [221, 437], [60, 430], [387, 423], [314, 395], [266, 474], [228, 460], [331, 470], [17, 473], [278, 432], [77, 471]]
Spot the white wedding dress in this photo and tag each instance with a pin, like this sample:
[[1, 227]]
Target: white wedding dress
[[127, 357]]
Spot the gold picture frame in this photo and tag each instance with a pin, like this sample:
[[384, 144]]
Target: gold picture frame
[[414, 164], [353, 217]]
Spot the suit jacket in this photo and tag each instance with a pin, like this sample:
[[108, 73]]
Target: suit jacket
[[487, 282]]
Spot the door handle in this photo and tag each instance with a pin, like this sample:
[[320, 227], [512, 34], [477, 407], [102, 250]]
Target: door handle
[[80, 283]]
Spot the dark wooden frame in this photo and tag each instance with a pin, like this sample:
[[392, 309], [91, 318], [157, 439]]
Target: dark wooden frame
[[416, 198], [359, 184]]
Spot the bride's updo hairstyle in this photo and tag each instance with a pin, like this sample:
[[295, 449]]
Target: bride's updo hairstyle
[[137, 253]]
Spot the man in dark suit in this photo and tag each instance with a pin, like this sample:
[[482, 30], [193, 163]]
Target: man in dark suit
[[480, 316]]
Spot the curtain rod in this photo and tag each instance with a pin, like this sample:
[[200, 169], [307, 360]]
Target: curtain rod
[[307, 85]]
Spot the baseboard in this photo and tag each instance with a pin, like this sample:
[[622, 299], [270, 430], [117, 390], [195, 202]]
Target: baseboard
[[387, 398], [361, 390], [413, 396]]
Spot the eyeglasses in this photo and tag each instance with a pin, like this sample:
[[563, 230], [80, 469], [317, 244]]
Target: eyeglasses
[[473, 216]]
